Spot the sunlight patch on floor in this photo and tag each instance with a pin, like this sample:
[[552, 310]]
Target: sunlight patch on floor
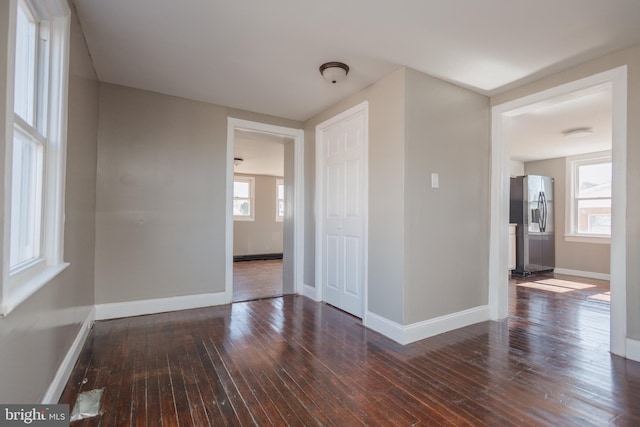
[[566, 284], [606, 296], [543, 287]]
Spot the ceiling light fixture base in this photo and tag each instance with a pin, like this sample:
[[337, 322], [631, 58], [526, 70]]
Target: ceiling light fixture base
[[334, 71]]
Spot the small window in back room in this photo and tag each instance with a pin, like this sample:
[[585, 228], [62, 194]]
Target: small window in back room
[[243, 198], [279, 200]]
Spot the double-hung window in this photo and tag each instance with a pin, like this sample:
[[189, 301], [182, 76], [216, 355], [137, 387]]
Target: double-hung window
[[279, 200], [36, 149], [244, 198], [29, 140], [589, 201]]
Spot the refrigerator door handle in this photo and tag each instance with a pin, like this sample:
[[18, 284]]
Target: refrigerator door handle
[[541, 210], [544, 212]]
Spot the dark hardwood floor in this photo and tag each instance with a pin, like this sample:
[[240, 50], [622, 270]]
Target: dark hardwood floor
[[257, 279], [292, 361]]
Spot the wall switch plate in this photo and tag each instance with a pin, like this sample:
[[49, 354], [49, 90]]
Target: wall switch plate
[[435, 180]]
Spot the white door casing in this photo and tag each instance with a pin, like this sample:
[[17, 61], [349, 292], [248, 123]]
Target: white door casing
[[298, 199], [500, 134], [341, 245]]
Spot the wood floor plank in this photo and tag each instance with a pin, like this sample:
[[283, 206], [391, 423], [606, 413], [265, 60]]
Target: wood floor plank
[[254, 280], [154, 406], [168, 408], [292, 361], [231, 404]]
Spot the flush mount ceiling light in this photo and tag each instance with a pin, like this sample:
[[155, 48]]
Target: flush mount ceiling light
[[237, 161], [333, 72], [577, 132]]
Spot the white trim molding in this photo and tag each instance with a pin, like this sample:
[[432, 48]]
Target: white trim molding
[[633, 349], [599, 240], [158, 305], [298, 200], [428, 328], [501, 116], [587, 274], [386, 327], [59, 381], [311, 292]]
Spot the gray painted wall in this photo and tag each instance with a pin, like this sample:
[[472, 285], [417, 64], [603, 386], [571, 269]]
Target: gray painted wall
[[160, 220], [592, 257], [631, 58], [35, 337], [160, 196], [386, 188], [446, 228], [264, 235], [428, 249]]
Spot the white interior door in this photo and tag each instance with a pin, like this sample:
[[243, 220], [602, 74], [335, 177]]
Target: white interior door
[[343, 145]]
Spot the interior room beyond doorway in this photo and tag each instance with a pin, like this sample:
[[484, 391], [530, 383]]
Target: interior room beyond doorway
[[258, 214]]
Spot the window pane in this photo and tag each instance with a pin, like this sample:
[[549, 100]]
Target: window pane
[[281, 208], [241, 189], [594, 180], [241, 208], [594, 216], [280, 191], [25, 71], [26, 200]]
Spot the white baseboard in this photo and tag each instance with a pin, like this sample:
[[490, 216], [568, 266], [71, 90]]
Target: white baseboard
[[449, 322], [158, 305], [418, 331], [64, 370], [633, 349], [587, 274], [386, 327], [310, 292]]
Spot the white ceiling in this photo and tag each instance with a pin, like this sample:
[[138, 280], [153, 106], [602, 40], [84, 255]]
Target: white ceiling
[[538, 134], [263, 56], [262, 153]]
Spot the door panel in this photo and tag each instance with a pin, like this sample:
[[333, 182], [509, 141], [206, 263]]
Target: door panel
[[535, 252], [333, 191], [333, 255], [352, 188], [343, 214], [549, 252], [352, 265]]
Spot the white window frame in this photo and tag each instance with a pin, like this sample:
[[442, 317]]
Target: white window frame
[[279, 182], [572, 165], [252, 198], [53, 17]]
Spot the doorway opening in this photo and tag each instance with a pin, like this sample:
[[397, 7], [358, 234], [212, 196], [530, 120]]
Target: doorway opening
[[258, 213], [264, 228], [504, 117]]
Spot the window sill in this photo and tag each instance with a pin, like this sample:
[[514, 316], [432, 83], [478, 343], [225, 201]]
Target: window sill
[[603, 240], [243, 218], [23, 289]]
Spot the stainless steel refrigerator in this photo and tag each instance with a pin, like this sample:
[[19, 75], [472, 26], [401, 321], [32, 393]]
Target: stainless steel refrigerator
[[531, 209]]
